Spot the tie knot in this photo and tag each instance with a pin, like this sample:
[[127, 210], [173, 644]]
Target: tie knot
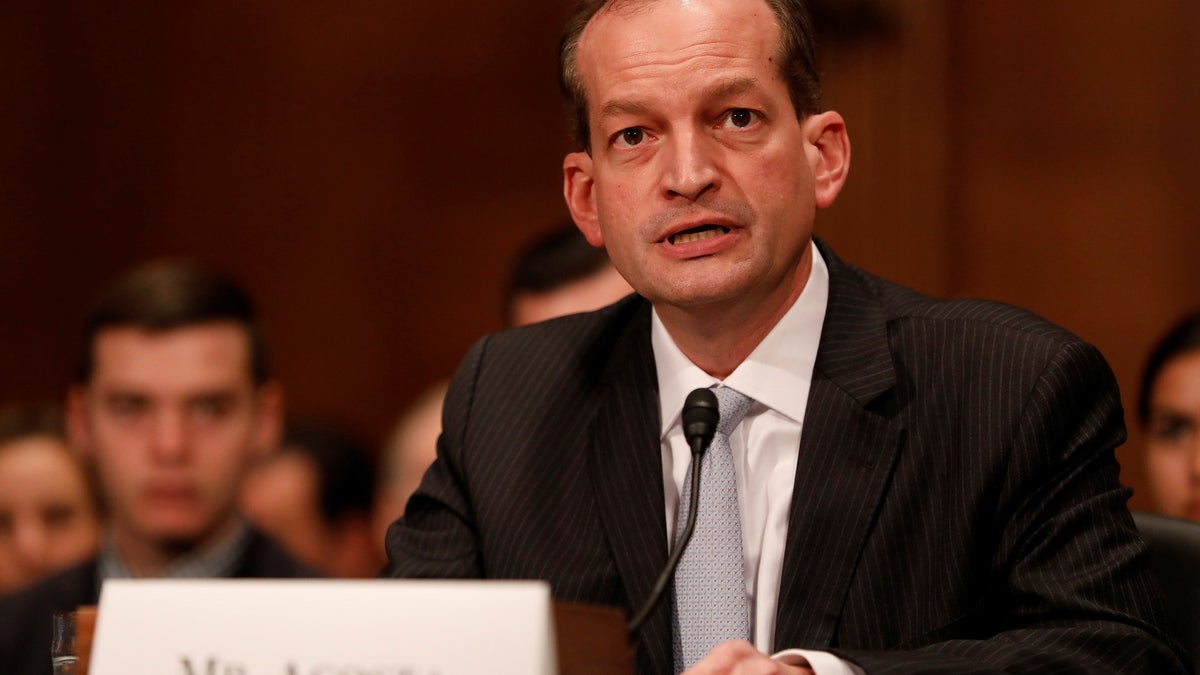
[[733, 405]]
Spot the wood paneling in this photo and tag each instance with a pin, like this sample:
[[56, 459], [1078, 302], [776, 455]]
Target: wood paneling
[[1074, 150], [369, 169]]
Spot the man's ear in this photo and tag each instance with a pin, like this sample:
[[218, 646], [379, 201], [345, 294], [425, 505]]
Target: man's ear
[[269, 431], [79, 431], [828, 148], [579, 189]]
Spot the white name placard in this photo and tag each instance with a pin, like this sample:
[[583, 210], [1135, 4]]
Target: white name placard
[[318, 627]]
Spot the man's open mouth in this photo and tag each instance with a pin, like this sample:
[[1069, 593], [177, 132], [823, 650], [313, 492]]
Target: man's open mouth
[[698, 233]]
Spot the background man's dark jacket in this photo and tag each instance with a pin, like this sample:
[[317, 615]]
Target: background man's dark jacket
[[25, 615]]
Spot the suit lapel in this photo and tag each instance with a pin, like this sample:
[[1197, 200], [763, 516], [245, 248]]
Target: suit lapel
[[850, 441], [627, 473]]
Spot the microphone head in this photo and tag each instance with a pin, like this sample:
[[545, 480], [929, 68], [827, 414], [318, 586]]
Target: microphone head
[[700, 416]]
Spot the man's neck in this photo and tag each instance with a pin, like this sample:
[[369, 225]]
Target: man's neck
[[145, 558], [717, 337]]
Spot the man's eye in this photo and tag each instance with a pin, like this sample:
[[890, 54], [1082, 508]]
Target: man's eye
[[128, 406], [211, 407], [741, 117], [630, 137], [1170, 429], [58, 515]]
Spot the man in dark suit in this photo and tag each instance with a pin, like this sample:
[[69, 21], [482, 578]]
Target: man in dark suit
[[921, 486], [172, 401]]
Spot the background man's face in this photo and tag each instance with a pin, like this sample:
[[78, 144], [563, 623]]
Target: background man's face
[[1173, 438], [282, 497], [699, 183], [172, 419], [597, 290]]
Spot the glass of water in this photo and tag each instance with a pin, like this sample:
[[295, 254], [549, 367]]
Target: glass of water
[[62, 643]]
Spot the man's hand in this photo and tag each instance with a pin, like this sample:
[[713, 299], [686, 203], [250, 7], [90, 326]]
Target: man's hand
[[738, 657]]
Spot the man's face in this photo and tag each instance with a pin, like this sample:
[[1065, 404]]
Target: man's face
[[1173, 437], [282, 497], [172, 419], [702, 183]]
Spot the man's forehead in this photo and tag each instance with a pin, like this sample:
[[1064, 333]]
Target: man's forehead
[[632, 9], [685, 31], [628, 7], [210, 354]]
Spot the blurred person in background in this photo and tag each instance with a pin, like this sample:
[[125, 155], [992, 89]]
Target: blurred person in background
[[172, 401], [314, 496], [49, 516], [1169, 411], [409, 450], [560, 273]]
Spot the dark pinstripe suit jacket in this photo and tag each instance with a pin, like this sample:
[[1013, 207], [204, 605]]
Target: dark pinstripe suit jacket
[[956, 506]]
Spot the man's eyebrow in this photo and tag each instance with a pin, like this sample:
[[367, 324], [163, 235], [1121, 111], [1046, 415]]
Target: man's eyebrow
[[620, 107], [215, 394], [118, 393], [731, 87], [1169, 411], [725, 88]]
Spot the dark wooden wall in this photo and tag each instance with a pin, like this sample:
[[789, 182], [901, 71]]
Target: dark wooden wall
[[368, 169]]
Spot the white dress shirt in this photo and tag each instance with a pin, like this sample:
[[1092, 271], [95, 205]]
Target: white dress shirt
[[777, 375]]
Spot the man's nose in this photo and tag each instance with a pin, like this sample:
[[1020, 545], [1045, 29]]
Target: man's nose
[[691, 165], [168, 442]]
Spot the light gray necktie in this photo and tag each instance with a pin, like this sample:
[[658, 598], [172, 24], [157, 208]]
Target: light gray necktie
[[710, 604]]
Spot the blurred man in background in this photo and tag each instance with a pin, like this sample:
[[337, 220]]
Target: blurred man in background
[[560, 273], [172, 401], [314, 496]]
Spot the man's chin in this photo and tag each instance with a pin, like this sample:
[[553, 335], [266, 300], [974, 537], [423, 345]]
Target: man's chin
[[179, 536], [699, 296]]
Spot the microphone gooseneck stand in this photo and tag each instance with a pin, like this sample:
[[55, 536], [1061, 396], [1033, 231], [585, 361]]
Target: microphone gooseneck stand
[[700, 416]]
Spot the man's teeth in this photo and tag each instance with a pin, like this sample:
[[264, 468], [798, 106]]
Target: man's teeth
[[699, 234]]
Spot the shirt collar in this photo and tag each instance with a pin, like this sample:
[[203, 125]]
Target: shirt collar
[[779, 366]]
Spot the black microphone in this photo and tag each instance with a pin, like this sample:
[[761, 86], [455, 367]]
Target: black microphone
[[700, 417]]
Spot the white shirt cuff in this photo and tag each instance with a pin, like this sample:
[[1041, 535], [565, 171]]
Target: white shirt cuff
[[822, 663]]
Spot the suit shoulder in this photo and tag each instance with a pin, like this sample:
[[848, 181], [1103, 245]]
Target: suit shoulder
[[513, 380], [564, 343], [61, 591], [266, 559], [903, 305]]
